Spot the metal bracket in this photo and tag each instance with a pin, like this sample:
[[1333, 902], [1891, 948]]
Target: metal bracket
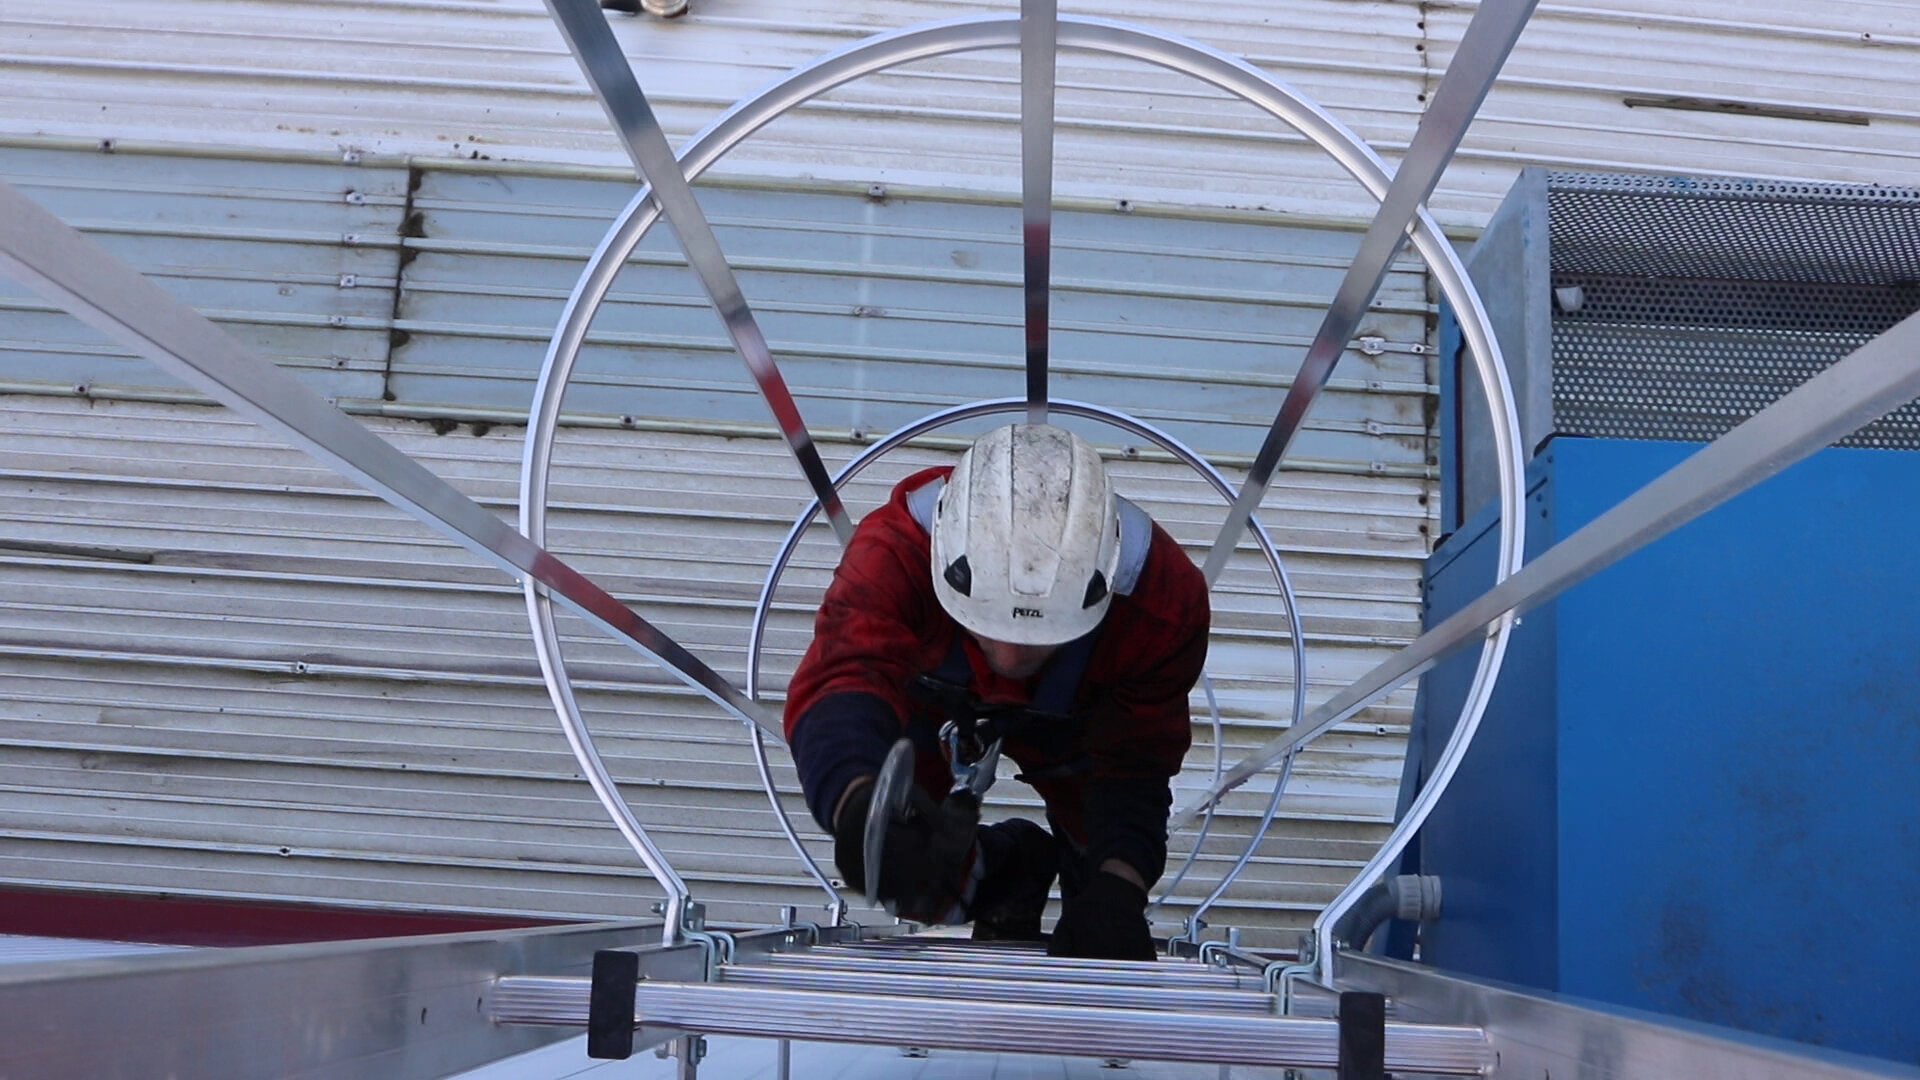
[[1187, 941], [1212, 951], [1281, 975], [974, 776], [789, 921], [719, 943], [693, 929]]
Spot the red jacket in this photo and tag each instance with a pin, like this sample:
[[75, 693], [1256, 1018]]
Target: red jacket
[[880, 626]]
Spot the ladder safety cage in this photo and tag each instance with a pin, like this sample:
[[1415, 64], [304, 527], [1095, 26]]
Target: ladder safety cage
[[837, 981]]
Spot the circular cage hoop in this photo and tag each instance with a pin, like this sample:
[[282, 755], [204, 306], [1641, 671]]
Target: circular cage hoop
[[892, 49], [959, 414]]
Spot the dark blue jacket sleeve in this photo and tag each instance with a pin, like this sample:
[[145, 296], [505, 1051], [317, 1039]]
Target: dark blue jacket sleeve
[[841, 738], [1127, 820]]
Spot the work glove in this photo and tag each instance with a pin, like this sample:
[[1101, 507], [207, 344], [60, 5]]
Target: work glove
[[928, 857], [1107, 920]]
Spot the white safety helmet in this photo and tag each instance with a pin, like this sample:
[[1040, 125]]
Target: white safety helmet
[[1026, 537]]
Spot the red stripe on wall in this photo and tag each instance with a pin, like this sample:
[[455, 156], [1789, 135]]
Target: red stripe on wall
[[176, 920]]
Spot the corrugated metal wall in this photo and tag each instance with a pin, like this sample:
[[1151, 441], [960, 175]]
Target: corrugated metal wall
[[230, 672], [458, 79]]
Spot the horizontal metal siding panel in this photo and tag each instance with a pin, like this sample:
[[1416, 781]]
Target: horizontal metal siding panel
[[298, 261], [27, 949], [1560, 100], [493, 79], [880, 310], [463, 80], [299, 667]]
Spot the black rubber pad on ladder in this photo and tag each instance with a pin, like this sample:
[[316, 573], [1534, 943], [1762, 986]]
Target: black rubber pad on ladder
[[616, 973], [1363, 1036]]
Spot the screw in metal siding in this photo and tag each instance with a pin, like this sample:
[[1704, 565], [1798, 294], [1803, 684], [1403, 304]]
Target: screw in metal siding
[[348, 281], [350, 156], [876, 191], [299, 667], [1372, 346], [81, 389], [1125, 206], [350, 239], [336, 320], [1374, 427], [354, 198]]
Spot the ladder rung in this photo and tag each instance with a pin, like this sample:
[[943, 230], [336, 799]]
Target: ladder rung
[[1041, 968], [1037, 993], [993, 1026]]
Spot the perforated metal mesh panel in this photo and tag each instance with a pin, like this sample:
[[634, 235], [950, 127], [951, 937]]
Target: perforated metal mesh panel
[[1683, 306]]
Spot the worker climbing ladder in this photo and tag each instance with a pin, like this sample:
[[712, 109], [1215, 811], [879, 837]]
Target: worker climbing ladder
[[481, 997]]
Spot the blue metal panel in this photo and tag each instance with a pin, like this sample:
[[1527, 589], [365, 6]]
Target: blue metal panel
[[1709, 752], [1500, 896], [1740, 756]]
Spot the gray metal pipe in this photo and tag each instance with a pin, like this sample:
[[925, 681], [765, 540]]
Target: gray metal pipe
[[1414, 897]]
